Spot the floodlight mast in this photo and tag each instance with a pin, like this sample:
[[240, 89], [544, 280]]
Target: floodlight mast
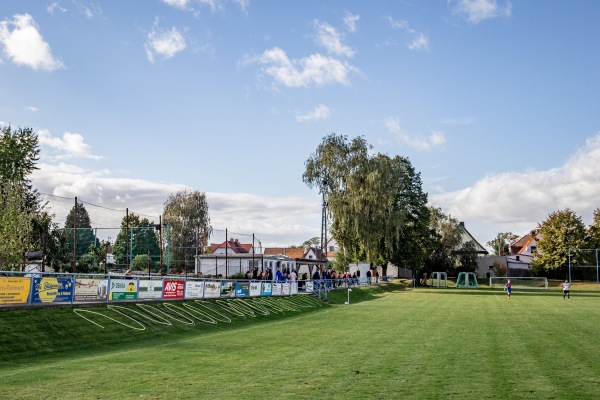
[[324, 220]]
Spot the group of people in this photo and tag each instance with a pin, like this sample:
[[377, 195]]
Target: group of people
[[331, 276], [287, 275]]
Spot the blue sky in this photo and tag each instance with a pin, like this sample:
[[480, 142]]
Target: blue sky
[[495, 102]]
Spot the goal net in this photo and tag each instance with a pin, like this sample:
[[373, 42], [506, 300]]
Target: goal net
[[532, 282]]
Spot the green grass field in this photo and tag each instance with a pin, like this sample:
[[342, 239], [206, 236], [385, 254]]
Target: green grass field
[[389, 343]]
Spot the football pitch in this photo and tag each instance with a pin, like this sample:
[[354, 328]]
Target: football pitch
[[387, 344]]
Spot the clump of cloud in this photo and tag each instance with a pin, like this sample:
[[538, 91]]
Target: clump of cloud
[[434, 139], [165, 44], [321, 112], [313, 70], [476, 11], [331, 40], [350, 21], [71, 145], [418, 40], [23, 44]]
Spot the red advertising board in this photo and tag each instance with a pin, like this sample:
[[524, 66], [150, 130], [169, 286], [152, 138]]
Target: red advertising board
[[173, 289]]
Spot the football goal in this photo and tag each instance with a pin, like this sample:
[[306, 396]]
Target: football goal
[[439, 280], [531, 282], [466, 280]]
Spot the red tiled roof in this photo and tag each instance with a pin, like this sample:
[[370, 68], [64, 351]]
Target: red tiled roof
[[234, 245], [292, 252]]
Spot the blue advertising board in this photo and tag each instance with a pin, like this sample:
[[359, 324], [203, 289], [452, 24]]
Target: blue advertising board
[[52, 290]]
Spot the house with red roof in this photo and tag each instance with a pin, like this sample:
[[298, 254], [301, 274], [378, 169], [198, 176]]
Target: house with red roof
[[523, 251], [306, 259], [232, 246]]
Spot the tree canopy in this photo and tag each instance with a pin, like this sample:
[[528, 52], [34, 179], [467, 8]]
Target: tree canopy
[[19, 151], [143, 238], [501, 243], [561, 231], [186, 212], [24, 225], [78, 219], [376, 203]]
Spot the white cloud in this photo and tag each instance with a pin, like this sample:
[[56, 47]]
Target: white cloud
[[24, 45], [213, 5], [91, 11], [350, 21], [518, 201], [71, 145], [319, 113], [181, 4], [331, 40], [55, 6], [434, 139], [419, 41], [32, 109], [164, 43], [316, 69], [476, 11]]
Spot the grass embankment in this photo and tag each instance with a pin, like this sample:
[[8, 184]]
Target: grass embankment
[[414, 343]]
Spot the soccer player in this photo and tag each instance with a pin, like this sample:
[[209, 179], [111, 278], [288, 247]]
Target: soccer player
[[565, 285], [508, 288]]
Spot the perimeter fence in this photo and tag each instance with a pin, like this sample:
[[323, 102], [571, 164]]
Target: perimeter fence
[[110, 244], [18, 288]]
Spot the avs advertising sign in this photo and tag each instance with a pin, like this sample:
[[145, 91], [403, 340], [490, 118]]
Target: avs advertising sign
[[173, 289]]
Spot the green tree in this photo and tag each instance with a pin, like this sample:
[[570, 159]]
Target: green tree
[[561, 231], [466, 259], [59, 254], [83, 226], [594, 231], [19, 151], [445, 240], [15, 224], [186, 213], [502, 243], [376, 202], [142, 238], [141, 262], [313, 242]]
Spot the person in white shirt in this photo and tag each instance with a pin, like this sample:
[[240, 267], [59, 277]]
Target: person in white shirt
[[566, 285]]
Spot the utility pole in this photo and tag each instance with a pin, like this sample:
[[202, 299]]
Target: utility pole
[[75, 237]]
